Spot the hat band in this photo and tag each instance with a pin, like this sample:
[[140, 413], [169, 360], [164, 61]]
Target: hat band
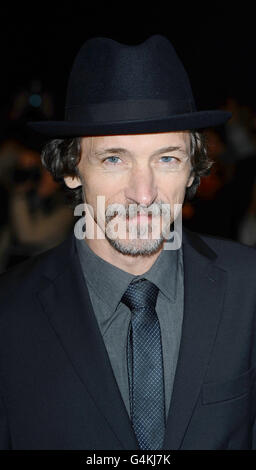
[[128, 110]]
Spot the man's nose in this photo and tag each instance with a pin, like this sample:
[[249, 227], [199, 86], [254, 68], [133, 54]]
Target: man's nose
[[141, 188]]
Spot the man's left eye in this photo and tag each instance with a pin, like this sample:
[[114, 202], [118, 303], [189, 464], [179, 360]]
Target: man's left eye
[[168, 159]]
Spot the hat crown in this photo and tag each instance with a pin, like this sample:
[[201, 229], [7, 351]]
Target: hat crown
[[115, 88], [106, 71]]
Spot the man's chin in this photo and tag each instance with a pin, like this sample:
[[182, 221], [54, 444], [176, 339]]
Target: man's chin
[[137, 247]]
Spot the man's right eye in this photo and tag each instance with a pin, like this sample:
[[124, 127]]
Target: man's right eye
[[111, 159]]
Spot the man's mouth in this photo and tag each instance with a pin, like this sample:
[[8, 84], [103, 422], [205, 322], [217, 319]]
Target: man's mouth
[[140, 217]]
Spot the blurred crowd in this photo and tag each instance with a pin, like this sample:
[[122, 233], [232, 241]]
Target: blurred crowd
[[34, 212], [34, 215], [225, 202]]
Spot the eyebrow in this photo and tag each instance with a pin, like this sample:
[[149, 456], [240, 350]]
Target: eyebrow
[[122, 150], [168, 149], [110, 150]]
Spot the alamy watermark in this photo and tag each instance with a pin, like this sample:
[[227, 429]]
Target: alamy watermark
[[131, 223]]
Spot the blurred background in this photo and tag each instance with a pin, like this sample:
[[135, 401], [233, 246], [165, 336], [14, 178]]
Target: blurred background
[[38, 45]]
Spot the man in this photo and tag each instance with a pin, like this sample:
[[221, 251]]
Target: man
[[119, 341]]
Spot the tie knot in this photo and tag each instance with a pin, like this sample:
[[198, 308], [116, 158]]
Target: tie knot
[[140, 294]]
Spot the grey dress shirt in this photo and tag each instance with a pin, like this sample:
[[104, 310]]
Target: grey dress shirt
[[106, 284]]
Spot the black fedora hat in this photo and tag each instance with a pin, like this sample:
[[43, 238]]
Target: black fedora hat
[[115, 88]]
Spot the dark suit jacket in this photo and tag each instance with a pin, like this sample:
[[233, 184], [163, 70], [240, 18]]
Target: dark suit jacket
[[57, 387]]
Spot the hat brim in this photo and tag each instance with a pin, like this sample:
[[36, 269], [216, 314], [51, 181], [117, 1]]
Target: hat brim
[[179, 122]]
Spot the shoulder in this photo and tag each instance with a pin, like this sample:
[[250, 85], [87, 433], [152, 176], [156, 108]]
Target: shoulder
[[231, 254], [33, 273]]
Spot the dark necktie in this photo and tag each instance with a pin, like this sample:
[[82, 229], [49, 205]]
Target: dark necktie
[[145, 365]]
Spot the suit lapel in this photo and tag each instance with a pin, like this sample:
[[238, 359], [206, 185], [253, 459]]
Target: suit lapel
[[67, 304], [204, 288]]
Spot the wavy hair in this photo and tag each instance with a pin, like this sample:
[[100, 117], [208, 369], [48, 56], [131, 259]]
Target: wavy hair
[[61, 157]]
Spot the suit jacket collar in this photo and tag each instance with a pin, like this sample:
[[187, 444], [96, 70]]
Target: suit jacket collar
[[65, 301], [204, 290]]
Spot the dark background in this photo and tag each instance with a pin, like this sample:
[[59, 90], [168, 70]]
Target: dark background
[[216, 45]]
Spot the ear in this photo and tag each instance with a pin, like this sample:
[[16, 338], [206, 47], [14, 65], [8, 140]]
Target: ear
[[72, 181], [190, 181]]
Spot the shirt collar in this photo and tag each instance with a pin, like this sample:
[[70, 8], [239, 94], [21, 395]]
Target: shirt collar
[[110, 282]]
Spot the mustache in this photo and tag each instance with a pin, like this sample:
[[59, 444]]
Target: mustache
[[131, 210]]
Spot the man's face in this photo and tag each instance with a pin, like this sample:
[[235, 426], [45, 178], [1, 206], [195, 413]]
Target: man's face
[[145, 170]]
